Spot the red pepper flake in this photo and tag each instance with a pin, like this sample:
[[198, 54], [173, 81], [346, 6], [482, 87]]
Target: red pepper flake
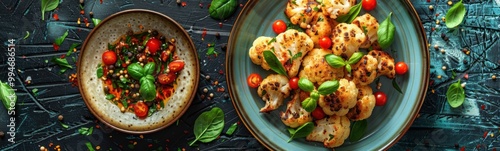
[[241, 5], [478, 146], [82, 12], [167, 140], [433, 29], [483, 107], [183, 4], [220, 89], [208, 6], [485, 133], [85, 20], [201, 5], [431, 82], [56, 47], [428, 0], [221, 71], [437, 14], [55, 16], [463, 148], [494, 149], [100, 1], [220, 24], [150, 145], [63, 56], [203, 34]]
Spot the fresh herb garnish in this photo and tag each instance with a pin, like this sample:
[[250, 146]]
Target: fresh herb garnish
[[62, 62], [86, 131], [48, 5], [99, 71], [349, 17], [358, 130], [64, 125], [89, 146], [27, 35], [302, 131], [60, 39], [8, 96], [35, 91], [386, 32], [208, 125], [455, 15], [211, 50], [455, 95], [110, 96], [72, 48], [337, 62], [232, 128], [221, 9], [326, 88], [274, 63], [96, 21], [396, 86], [271, 41]]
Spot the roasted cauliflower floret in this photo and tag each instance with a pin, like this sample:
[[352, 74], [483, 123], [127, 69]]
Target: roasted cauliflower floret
[[321, 26], [341, 100], [370, 25], [364, 71], [315, 68], [336, 8], [346, 39], [273, 90], [332, 131], [301, 12], [256, 51], [385, 63], [364, 106], [295, 115]]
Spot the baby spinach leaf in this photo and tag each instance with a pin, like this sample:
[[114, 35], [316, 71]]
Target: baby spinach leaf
[[60, 39], [135, 70], [306, 85], [309, 104], [274, 63], [221, 9], [8, 96], [149, 68], [328, 87], [455, 15], [208, 125], [455, 95], [302, 131], [232, 128], [62, 62], [358, 130], [355, 58], [385, 32], [147, 89], [351, 15], [48, 5], [334, 61], [396, 86]]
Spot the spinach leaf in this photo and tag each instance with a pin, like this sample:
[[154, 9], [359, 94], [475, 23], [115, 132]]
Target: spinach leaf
[[208, 125], [62, 62], [274, 63], [455, 95], [71, 48], [148, 89], [349, 17], [455, 15], [309, 104], [221, 9], [358, 130], [48, 5], [306, 85], [60, 39], [135, 70], [8, 96], [99, 71], [232, 128], [334, 61], [385, 32], [396, 86], [149, 68], [302, 131], [328, 87]]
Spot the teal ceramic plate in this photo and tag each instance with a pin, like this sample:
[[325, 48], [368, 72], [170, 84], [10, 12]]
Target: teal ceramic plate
[[386, 125]]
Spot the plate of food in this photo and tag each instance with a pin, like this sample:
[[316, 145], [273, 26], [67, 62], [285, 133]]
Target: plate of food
[[138, 71], [317, 75]]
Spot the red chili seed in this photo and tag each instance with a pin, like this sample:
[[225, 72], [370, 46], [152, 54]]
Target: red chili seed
[[485, 134], [483, 107], [241, 5], [55, 16], [183, 4], [221, 72], [56, 47], [63, 56], [463, 148]]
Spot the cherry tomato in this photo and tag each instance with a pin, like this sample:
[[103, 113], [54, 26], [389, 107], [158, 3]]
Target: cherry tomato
[[380, 98], [318, 113], [166, 78], [369, 5], [141, 109], [176, 66], [153, 45], [279, 26], [325, 42], [109, 57], [294, 83], [401, 68], [254, 80]]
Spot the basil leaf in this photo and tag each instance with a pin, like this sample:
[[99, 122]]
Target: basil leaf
[[96, 21], [455, 95], [309, 104], [293, 26], [211, 50], [62, 62], [349, 17], [71, 48], [298, 55], [231, 129], [8, 96], [135, 70], [221, 9], [314, 95], [99, 71], [89, 146], [149, 77], [385, 32], [334, 60], [455, 15], [110, 96], [208, 125], [149, 68], [348, 68], [60, 40], [291, 131], [306, 85], [274, 63], [271, 41], [302, 131], [48, 5], [355, 58], [396, 86], [328, 87], [148, 89], [358, 130]]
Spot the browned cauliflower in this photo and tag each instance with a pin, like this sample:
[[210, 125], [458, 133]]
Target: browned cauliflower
[[346, 39], [332, 131], [301, 12], [295, 115], [364, 106], [336, 8], [273, 90], [315, 68], [341, 100], [364, 71], [385, 63], [370, 25], [321, 26], [287, 44]]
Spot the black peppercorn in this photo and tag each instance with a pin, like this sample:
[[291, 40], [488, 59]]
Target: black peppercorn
[[154, 33]]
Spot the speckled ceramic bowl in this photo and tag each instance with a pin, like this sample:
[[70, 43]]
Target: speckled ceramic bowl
[[387, 123], [91, 87]]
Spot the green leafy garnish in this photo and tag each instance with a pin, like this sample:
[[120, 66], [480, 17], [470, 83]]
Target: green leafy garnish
[[306, 85], [271, 41], [358, 130], [302, 131], [328, 87], [60, 39], [386, 32], [35, 91], [62, 62], [8, 96], [455, 95], [99, 71], [89, 146], [64, 125], [135, 70], [48, 5], [71, 48], [309, 104], [27, 35], [232, 128], [455, 15], [208, 125], [396, 86], [349, 17], [211, 50], [337, 61], [96, 21], [221, 9], [86, 131], [110, 96], [274, 63]]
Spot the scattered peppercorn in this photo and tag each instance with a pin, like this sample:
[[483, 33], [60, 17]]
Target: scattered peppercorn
[[494, 77], [60, 117], [217, 35], [431, 7]]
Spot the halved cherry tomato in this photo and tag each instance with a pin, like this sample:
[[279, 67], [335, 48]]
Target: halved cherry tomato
[[401, 68], [141, 109], [109, 57], [380, 98], [294, 83], [318, 113], [279, 26], [166, 78], [153, 45], [176, 65], [369, 5], [325, 42], [254, 80]]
